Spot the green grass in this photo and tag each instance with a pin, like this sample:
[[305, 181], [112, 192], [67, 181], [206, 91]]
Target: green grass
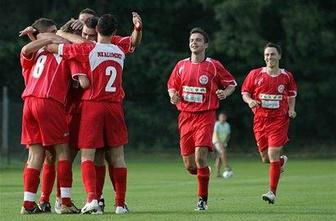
[[164, 191]]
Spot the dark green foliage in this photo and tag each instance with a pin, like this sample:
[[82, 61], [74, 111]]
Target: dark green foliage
[[238, 31]]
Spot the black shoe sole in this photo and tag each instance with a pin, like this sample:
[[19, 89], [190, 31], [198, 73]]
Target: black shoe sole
[[268, 200]]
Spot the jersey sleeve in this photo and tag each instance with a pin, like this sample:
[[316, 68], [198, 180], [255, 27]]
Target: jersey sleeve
[[76, 69], [79, 52], [225, 77], [292, 87], [27, 61], [125, 43], [174, 81], [248, 84]]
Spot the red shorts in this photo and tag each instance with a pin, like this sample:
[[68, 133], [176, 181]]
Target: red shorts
[[102, 124], [196, 131], [43, 122], [73, 124], [270, 131]]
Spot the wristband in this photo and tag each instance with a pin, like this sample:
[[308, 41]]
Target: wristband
[[138, 29]]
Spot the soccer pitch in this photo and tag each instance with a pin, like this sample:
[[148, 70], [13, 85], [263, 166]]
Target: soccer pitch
[[162, 190]]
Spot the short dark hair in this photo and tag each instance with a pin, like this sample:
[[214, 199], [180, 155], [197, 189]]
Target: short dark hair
[[88, 11], [272, 45], [91, 22], [202, 32], [42, 24], [67, 27], [107, 24], [222, 112]]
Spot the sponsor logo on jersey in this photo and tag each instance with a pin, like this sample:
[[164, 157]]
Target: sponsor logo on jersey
[[200, 90], [203, 79], [109, 54], [275, 97], [281, 88]]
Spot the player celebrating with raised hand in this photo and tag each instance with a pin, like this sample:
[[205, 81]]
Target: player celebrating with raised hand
[[89, 34], [195, 86], [47, 80], [270, 92], [102, 118]]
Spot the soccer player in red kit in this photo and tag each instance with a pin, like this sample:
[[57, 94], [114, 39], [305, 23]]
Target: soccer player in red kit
[[43, 123], [89, 34], [195, 86], [270, 92], [102, 118]]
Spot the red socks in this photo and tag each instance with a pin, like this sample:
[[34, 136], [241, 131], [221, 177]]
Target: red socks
[[274, 175], [48, 179], [100, 179], [203, 181], [89, 179], [119, 180], [31, 180], [64, 171]]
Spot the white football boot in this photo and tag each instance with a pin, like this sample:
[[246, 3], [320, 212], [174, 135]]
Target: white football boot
[[58, 205], [122, 209], [91, 208], [269, 197]]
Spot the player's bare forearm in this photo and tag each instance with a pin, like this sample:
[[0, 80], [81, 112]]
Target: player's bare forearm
[[71, 37], [291, 103], [83, 81], [52, 48], [229, 90], [174, 96], [223, 94], [35, 46], [136, 35], [136, 38], [291, 107], [247, 99]]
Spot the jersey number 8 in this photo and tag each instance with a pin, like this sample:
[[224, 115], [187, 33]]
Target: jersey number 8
[[39, 66]]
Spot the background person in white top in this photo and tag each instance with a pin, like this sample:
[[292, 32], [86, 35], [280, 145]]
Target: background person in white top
[[220, 139]]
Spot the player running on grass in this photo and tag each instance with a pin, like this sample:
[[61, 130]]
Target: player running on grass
[[270, 92], [195, 86]]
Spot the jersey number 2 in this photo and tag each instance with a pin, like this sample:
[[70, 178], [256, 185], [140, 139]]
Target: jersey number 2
[[39, 66], [111, 71]]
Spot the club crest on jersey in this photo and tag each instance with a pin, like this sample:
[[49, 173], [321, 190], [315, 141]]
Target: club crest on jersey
[[203, 79], [281, 88]]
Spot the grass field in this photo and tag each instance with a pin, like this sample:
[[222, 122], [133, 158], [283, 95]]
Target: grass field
[[162, 190]]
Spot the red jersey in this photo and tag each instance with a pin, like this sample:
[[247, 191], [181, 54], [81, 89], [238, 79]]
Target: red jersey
[[46, 75], [197, 84], [75, 93], [271, 91], [123, 42], [104, 64]]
